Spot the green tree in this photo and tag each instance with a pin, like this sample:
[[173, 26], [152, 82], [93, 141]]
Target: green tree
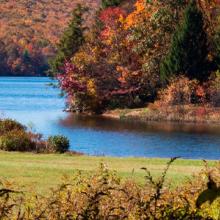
[[110, 3], [3, 59], [26, 56], [71, 40], [189, 50], [216, 45]]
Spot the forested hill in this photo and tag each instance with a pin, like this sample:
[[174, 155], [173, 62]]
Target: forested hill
[[29, 30]]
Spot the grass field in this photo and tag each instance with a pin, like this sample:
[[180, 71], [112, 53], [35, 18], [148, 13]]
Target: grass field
[[38, 172]]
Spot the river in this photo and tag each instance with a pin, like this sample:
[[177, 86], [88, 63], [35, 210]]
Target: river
[[31, 101]]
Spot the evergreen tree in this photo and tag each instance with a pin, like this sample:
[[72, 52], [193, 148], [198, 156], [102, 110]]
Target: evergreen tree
[[188, 53], [110, 3], [216, 42], [3, 59], [26, 57], [70, 42]]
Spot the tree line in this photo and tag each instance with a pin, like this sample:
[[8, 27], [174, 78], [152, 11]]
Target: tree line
[[130, 57]]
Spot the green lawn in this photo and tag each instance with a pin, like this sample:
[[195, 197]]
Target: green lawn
[[37, 172]]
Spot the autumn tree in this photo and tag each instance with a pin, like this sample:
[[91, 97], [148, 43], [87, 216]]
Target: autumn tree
[[71, 40], [150, 27], [189, 49], [97, 78]]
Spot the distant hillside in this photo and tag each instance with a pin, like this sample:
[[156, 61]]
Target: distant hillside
[[29, 30]]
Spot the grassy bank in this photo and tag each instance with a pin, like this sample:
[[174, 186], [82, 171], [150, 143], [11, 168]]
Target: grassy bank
[[39, 172], [181, 113]]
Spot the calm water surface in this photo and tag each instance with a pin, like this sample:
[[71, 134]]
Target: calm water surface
[[32, 102]]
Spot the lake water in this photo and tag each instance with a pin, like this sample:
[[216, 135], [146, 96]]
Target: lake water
[[32, 102]]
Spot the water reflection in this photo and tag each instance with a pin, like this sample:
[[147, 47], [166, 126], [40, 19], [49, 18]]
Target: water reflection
[[108, 124]]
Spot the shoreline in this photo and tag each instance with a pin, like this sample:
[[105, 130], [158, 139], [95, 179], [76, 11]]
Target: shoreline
[[179, 114]]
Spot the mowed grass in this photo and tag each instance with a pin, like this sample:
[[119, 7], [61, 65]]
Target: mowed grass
[[39, 172]]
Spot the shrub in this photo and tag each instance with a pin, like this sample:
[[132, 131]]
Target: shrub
[[14, 137], [182, 91], [102, 195], [16, 140], [58, 143], [7, 125]]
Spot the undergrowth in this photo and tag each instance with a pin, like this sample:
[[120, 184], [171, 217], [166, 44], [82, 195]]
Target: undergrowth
[[103, 195]]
